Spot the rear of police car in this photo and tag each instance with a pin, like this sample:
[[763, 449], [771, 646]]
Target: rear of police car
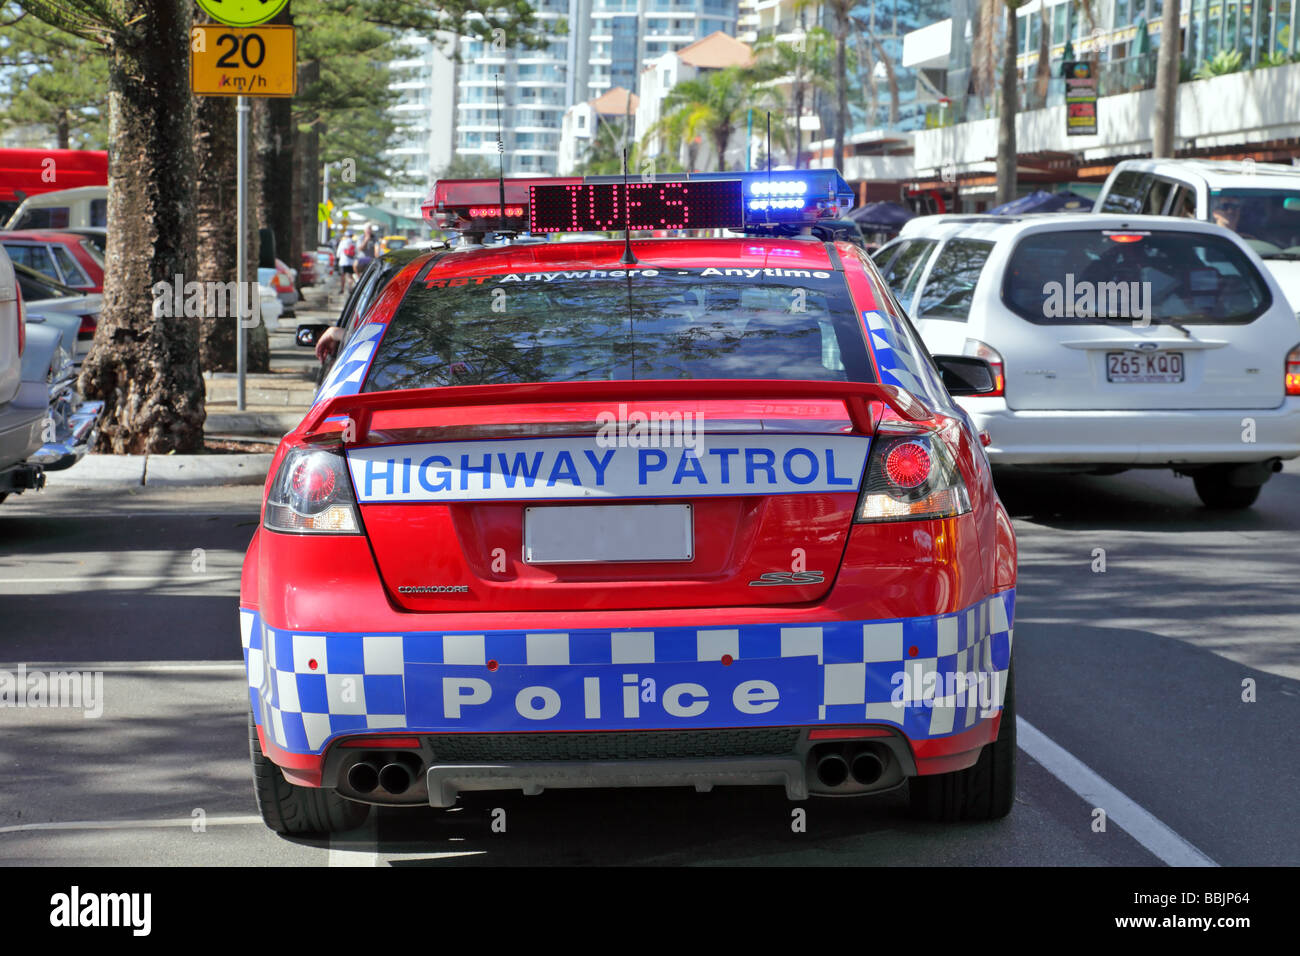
[[679, 512]]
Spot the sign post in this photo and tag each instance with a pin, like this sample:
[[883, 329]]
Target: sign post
[[242, 61]]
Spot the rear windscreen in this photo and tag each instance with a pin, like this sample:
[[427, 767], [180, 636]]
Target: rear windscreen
[[1185, 278], [604, 325]]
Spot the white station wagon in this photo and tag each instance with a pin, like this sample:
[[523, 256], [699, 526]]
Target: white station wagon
[[1118, 342], [1258, 201]]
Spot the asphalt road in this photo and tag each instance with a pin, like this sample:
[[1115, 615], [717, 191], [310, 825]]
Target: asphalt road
[[1129, 683]]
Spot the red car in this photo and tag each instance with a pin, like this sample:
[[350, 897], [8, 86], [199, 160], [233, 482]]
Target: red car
[[66, 257], [676, 512], [307, 271]]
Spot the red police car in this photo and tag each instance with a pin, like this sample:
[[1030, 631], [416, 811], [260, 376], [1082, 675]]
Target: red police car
[[645, 512]]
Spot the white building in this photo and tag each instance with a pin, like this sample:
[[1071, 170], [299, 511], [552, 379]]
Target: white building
[[423, 75], [581, 123], [714, 52], [535, 87], [627, 35]]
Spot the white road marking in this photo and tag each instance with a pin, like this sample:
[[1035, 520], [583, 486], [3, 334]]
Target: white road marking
[[166, 822], [366, 837], [1158, 838]]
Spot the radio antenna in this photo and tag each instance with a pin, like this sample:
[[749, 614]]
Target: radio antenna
[[501, 158], [628, 259]]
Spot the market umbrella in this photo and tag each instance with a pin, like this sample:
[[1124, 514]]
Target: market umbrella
[[1042, 201], [882, 216]]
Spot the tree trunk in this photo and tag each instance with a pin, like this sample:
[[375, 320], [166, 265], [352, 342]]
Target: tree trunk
[[1162, 144], [841, 82], [307, 162], [1007, 105], [62, 130], [214, 160], [145, 366], [256, 342], [722, 136], [798, 125]]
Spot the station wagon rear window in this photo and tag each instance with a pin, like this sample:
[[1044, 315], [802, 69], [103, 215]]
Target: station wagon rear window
[[601, 325], [1077, 277]]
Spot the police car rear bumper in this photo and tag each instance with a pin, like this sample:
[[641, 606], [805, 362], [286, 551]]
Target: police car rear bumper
[[1147, 437]]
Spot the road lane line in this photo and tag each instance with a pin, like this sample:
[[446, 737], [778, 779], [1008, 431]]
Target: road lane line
[[165, 822], [367, 836], [1158, 838]]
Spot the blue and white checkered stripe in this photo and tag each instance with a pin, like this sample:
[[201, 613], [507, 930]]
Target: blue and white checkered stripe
[[898, 366], [349, 369], [360, 681]]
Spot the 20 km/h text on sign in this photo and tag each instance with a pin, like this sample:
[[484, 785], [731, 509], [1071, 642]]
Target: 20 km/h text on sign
[[225, 61]]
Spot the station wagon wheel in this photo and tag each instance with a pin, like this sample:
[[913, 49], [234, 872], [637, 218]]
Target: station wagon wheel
[[298, 811], [985, 791], [1215, 490]]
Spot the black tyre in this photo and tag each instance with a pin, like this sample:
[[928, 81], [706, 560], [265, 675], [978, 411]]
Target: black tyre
[[985, 791], [1215, 491], [298, 811]]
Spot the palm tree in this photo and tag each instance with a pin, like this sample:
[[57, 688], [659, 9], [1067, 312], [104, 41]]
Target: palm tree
[[806, 67], [604, 154], [842, 11], [1008, 102], [1162, 141], [710, 106]]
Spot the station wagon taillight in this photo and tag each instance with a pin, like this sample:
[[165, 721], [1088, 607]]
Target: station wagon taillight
[[22, 322], [980, 350], [1293, 372]]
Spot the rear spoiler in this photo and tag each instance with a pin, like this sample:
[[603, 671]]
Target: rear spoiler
[[361, 407]]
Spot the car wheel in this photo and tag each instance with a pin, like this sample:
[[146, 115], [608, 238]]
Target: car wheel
[[985, 791], [298, 811], [1215, 490]]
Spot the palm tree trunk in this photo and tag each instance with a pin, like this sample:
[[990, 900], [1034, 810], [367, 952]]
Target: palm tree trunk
[[145, 367], [841, 81], [1008, 102], [721, 137], [214, 156], [1162, 144]]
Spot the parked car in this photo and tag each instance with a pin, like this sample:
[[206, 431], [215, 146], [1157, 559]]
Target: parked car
[[1195, 348], [1258, 201], [43, 423], [65, 257], [45, 296], [81, 206], [392, 244]]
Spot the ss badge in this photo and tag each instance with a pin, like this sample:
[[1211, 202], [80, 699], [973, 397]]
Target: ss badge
[[769, 578]]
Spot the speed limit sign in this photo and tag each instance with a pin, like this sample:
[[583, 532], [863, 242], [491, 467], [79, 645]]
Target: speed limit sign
[[228, 61]]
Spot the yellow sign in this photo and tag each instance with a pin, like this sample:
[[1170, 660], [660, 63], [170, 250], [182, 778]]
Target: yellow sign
[[242, 13], [229, 61]]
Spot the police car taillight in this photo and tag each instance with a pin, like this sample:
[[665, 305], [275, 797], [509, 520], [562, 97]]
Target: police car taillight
[[311, 493], [911, 476]]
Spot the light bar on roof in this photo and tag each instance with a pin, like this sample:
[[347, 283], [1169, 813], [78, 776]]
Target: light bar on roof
[[668, 202]]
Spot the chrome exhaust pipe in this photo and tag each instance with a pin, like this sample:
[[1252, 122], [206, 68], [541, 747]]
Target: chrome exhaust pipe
[[363, 777], [832, 770], [867, 767], [395, 778]]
